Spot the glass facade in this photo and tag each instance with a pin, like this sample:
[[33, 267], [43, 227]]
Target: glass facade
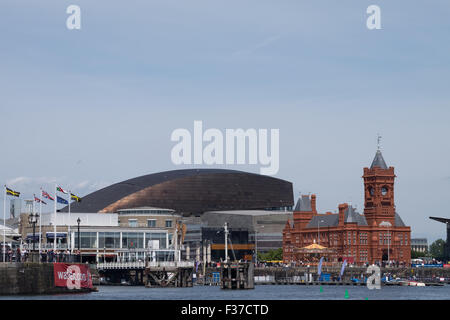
[[161, 237], [88, 240], [132, 240], [109, 240]]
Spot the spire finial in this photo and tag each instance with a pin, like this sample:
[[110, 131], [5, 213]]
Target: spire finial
[[379, 141]]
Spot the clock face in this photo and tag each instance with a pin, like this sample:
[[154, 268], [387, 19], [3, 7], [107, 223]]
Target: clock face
[[371, 191], [384, 191]]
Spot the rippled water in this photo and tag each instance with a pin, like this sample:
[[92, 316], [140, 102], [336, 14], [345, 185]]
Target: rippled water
[[261, 292]]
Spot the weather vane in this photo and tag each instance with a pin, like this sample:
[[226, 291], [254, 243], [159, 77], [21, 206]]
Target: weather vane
[[379, 141]]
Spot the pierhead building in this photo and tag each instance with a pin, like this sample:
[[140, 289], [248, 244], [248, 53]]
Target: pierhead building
[[377, 235]]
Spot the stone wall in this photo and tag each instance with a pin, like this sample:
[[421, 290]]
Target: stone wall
[[29, 278]]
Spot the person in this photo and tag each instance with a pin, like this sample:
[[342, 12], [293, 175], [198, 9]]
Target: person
[[18, 255]]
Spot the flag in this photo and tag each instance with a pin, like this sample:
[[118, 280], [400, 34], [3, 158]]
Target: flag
[[61, 200], [12, 192], [319, 268], [74, 197], [38, 200], [343, 267], [46, 195], [58, 188]]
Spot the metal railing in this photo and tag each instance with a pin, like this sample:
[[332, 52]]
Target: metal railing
[[143, 264], [121, 265], [45, 246], [181, 264]]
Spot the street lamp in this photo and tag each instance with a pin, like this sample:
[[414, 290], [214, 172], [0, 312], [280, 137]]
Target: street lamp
[[318, 228], [256, 245], [32, 219], [79, 221], [387, 224]]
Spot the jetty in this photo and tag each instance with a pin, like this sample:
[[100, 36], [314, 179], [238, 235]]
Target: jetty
[[237, 275], [149, 273]]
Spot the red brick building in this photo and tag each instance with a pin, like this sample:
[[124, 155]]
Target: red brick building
[[375, 236]]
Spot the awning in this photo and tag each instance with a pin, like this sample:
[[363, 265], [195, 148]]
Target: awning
[[58, 234], [30, 237]]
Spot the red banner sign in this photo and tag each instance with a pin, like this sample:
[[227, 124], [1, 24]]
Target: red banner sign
[[446, 265], [72, 276]]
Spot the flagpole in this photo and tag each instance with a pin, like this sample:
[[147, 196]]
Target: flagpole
[[33, 211], [40, 224], [69, 237], [54, 224], [4, 226]]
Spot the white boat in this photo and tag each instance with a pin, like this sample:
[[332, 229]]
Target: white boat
[[416, 284]]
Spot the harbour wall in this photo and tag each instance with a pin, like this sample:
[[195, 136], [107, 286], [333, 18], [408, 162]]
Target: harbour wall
[[31, 278], [280, 273]]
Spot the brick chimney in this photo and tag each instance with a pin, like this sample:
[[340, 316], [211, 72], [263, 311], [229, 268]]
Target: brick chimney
[[313, 203], [342, 208]]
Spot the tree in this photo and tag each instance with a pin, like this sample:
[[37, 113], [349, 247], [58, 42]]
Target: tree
[[417, 254], [276, 254], [437, 249]]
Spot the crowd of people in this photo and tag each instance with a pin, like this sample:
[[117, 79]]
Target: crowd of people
[[12, 255]]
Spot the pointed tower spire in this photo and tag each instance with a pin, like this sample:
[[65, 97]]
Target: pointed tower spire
[[378, 161]]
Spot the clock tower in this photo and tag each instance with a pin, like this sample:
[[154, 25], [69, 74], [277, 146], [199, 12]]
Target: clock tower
[[379, 203]]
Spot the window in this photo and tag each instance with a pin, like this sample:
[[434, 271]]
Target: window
[[160, 237], [132, 240], [109, 240], [151, 223], [132, 223], [88, 240], [363, 238], [168, 223]]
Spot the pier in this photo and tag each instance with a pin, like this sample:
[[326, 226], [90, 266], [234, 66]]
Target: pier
[[149, 273], [238, 275]]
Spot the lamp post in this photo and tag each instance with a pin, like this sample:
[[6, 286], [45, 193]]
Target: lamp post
[[387, 224], [226, 241], [32, 219], [256, 244], [79, 242], [318, 228]]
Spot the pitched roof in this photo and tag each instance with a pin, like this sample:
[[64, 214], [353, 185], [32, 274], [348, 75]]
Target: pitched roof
[[398, 221], [328, 220], [378, 161], [332, 220], [303, 204], [351, 215]]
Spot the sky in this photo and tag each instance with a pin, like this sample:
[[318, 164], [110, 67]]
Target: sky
[[91, 107]]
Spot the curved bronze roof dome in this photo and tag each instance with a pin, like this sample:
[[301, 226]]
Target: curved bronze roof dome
[[191, 191]]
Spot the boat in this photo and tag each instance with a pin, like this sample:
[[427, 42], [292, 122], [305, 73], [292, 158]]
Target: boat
[[411, 283]]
